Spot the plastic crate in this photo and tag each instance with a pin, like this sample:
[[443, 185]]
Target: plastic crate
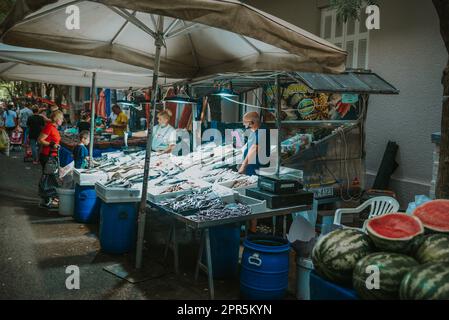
[[321, 289]]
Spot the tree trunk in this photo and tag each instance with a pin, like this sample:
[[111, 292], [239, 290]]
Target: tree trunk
[[442, 187]]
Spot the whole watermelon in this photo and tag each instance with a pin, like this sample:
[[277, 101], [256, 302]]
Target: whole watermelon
[[336, 254], [435, 248], [428, 281], [391, 267], [416, 243]]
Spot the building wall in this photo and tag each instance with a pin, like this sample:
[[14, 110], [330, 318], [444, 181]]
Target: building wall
[[408, 52]]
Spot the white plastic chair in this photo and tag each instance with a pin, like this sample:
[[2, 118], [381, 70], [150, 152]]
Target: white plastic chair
[[379, 206]]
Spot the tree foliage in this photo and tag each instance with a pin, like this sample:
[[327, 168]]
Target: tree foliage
[[5, 6], [350, 9]]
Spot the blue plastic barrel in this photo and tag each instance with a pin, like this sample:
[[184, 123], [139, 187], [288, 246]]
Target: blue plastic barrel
[[265, 264], [87, 205], [118, 227], [225, 246]]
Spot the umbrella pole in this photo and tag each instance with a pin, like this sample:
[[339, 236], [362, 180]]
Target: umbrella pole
[[143, 201], [92, 120], [278, 124]]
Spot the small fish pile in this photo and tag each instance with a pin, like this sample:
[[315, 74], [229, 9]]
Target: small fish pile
[[244, 182], [187, 185], [208, 206], [128, 182], [193, 201], [231, 210], [222, 175]]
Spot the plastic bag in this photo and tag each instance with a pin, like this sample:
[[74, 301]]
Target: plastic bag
[[52, 166], [66, 176], [4, 141], [68, 169], [47, 186], [419, 200]]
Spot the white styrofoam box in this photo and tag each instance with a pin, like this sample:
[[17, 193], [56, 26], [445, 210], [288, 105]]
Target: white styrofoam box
[[436, 156], [113, 155], [154, 192], [89, 179], [294, 173], [226, 197], [256, 205], [118, 195], [241, 190]]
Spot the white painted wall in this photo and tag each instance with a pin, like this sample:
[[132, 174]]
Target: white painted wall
[[408, 52]]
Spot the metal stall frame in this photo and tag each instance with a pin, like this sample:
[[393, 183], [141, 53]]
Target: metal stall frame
[[361, 82]]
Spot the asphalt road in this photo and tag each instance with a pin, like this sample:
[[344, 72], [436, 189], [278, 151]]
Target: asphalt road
[[36, 247]]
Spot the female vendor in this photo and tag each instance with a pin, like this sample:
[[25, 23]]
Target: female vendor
[[164, 135]]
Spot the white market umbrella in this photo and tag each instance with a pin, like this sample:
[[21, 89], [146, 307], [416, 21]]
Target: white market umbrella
[[182, 39], [37, 65], [14, 71]]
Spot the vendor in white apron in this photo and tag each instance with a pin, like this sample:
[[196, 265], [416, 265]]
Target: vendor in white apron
[[164, 135]]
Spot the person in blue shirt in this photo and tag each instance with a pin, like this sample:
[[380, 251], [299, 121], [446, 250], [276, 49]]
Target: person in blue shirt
[[81, 153], [257, 149], [256, 152], [10, 119]]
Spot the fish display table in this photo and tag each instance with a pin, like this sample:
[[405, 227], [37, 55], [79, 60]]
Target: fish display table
[[204, 226], [69, 142]]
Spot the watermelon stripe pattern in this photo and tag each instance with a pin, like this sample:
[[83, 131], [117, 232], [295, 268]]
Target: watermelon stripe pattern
[[426, 282], [336, 254], [435, 248], [392, 269]]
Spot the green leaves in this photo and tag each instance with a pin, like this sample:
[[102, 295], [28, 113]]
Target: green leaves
[[5, 7], [350, 9]]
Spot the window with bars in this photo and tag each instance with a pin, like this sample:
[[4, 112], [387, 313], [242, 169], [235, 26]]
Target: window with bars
[[352, 36]]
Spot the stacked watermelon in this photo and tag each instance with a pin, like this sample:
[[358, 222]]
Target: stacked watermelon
[[401, 256]]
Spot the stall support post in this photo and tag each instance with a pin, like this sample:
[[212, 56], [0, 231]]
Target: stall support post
[[278, 124], [143, 202], [92, 119]]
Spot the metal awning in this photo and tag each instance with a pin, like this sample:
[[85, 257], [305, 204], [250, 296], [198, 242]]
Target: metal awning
[[357, 82], [349, 82]]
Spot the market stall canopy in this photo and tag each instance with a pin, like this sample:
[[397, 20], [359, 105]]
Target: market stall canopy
[[351, 81], [200, 37], [68, 69], [15, 71]]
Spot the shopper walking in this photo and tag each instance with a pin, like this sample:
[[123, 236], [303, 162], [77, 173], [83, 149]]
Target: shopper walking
[[49, 139], [24, 114], [10, 119], [35, 125]]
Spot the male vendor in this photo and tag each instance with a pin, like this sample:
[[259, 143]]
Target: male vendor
[[254, 147], [120, 124]]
